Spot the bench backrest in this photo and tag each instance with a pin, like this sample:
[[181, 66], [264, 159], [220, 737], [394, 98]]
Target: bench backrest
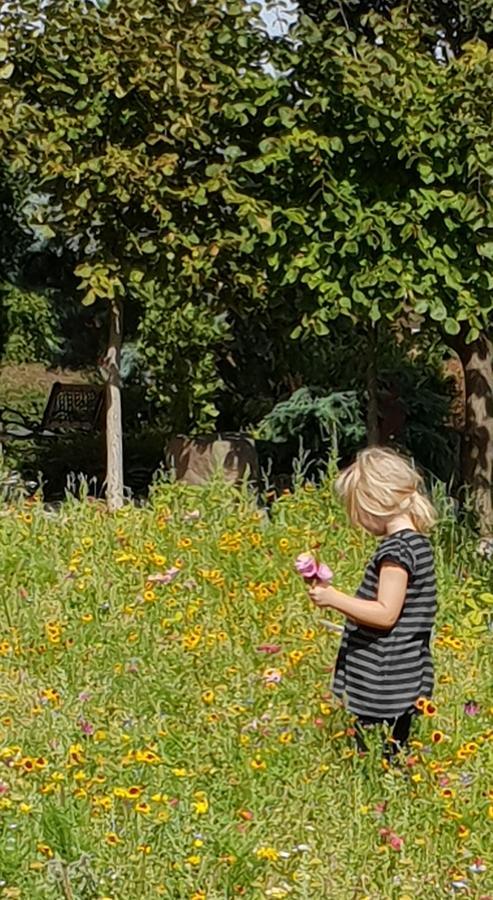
[[74, 407]]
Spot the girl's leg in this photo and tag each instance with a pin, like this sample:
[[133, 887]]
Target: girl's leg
[[360, 727], [400, 735]]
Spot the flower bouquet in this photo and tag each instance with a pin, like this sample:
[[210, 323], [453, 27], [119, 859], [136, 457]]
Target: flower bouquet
[[307, 566]]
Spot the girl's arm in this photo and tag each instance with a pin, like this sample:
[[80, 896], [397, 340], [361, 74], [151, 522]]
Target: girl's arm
[[382, 612]]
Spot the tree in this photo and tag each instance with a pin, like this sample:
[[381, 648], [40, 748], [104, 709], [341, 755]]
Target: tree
[[125, 116], [379, 170], [451, 22]]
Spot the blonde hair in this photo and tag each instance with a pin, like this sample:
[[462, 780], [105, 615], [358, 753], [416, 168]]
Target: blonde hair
[[381, 485]]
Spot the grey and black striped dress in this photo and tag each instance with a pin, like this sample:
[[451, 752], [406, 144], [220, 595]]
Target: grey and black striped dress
[[380, 674]]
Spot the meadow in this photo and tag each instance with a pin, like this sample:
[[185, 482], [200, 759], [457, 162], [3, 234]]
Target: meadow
[[167, 727]]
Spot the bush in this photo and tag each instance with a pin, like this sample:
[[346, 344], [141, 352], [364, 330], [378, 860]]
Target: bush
[[29, 329]]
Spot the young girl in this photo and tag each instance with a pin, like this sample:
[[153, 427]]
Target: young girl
[[384, 662]]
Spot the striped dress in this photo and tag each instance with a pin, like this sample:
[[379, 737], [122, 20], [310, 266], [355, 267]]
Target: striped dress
[[380, 674]]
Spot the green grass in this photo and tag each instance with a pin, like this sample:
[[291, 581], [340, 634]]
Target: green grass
[[145, 752]]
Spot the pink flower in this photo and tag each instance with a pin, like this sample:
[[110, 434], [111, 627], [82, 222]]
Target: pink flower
[[396, 842], [306, 566], [471, 708], [164, 577], [324, 573], [86, 727], [269, 648], [392, 839]]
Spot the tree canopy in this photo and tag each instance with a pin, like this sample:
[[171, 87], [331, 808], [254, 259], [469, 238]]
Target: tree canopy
[[240, 192], [453, 22], [125, 118]]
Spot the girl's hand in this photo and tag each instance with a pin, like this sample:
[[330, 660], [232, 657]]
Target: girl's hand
[[321, 595]]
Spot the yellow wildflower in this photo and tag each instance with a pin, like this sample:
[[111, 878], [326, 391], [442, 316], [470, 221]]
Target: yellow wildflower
[[268, 853], [112, 839], [201, 804], [145, 849]]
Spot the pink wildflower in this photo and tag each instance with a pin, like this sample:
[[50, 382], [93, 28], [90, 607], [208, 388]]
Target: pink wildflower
[[392, 839], [308, 568], [269, 648], [324, 574], [86, 727], [164, 577], [396, 842]]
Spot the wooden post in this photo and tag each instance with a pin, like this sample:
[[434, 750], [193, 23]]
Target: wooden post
[[114, 435], [477, 444]]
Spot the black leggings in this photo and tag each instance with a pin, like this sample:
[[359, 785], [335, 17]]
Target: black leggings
[[401, 727]]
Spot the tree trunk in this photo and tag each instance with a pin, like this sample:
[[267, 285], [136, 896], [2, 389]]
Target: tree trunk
[[477, 443], [372, 423], [114, 436]]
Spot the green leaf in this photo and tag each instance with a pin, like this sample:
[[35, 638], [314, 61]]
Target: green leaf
[[148, 247], [253, 165], [89, 298], [45, 231], [84, 271], [438, 311], [6, 71], [232, 152], [136, 276], [451, 326], [264, 223], [295, 215], [486, 249], [200, 197], [83, 199]]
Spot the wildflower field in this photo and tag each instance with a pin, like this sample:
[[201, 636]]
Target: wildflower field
[[167, 726]]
